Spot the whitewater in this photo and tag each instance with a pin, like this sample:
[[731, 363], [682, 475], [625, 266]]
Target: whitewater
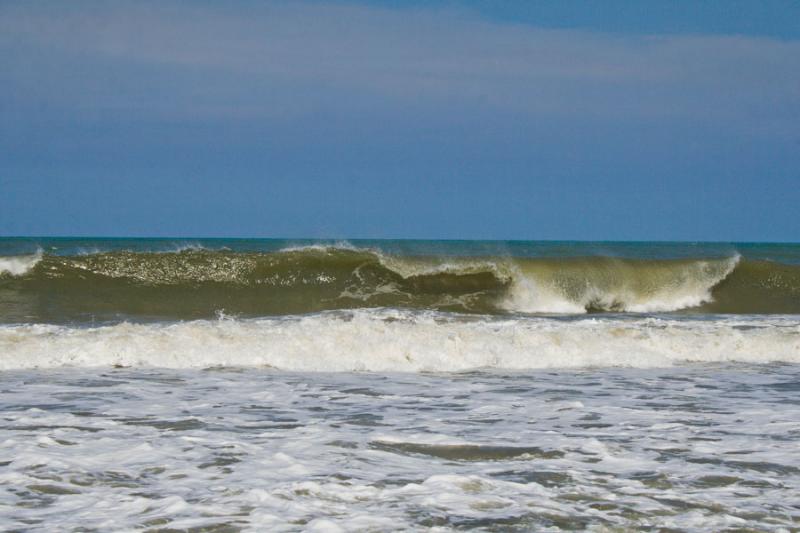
[[251, 385], [386, 340]]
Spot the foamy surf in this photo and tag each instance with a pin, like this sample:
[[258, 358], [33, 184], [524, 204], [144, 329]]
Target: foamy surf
[[404, 341], [702, 448]]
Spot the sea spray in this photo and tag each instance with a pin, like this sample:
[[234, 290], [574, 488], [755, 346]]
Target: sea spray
[[19, 265]]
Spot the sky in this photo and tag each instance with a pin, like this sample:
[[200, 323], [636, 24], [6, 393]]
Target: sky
[[614, 120]]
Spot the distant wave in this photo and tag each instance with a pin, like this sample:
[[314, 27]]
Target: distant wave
[[194, 282], [406, 341]]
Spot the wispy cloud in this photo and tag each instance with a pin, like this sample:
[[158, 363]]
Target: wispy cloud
[[290, 60]]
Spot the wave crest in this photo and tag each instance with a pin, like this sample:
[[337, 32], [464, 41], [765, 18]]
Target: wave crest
[[194, 283], [606, 284], [18, 265]]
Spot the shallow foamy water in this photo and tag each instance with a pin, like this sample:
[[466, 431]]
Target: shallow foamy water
[[703, 447]]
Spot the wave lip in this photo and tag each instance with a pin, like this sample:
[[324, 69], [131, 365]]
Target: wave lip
[[608, 284], [18, 265], [388, 340]]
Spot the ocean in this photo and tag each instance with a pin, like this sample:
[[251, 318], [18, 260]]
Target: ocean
[[376, 385]]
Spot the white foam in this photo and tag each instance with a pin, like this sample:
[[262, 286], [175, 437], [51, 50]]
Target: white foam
[[131, 449], [529, 295], [17, 265], [404, 341]]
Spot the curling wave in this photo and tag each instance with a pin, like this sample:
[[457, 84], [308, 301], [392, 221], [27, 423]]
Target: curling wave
[[195, 283]]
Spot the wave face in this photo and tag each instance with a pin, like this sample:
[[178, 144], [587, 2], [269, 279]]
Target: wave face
[[197, 283], [385, 340]]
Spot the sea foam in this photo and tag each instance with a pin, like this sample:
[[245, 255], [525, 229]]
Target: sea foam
[[404, 341]]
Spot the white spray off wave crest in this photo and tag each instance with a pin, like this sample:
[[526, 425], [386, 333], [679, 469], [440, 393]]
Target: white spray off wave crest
[[616, 286], [17, 265], [403, 341]]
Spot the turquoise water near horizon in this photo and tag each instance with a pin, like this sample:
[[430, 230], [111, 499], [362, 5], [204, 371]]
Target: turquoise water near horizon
[[776, 251]]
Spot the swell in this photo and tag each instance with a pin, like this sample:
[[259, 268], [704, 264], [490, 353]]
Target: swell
[[405, 341], [198, 283]]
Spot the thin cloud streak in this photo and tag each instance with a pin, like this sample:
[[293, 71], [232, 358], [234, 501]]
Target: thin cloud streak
[[288, 61]]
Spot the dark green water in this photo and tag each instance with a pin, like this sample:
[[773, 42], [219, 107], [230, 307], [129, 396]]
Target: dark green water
[[78, 280]]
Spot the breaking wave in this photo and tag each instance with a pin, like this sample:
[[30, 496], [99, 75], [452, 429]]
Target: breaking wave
[[195, 283], [18, 265], [385, 340]]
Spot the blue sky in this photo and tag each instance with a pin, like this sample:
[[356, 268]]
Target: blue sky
[[507, 120]]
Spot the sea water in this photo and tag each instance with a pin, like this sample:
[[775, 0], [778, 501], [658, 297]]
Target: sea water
[[215, 385]]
